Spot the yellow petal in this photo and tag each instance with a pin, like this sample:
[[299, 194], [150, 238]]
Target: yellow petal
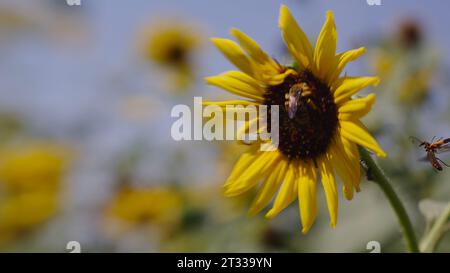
[[252, 175], [352, 153], [324, 55], [265, 69], [233, 106], [295, 39], [238, 83], [356, 132], [349, 86], [329, 186], [277, 78], [255, 84], [342, 60], [234, 54], [248, 80], [288, 191], [245, 129], [356, 108], [343, 167], [243, 163], [225, 103], [254, 50], [237, 108], [269, 188], [307, 195]]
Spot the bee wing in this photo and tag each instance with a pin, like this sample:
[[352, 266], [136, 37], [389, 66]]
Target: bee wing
[[443, 149]]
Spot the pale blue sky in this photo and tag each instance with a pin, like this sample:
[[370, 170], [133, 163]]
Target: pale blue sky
[[60, 88]]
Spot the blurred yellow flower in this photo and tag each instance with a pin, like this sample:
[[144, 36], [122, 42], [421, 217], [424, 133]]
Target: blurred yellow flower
[[416, 87], [172, 46], [23, 211], [409, 82], [134, 206], [383, 63], [32, 167], [318, 139], [30, 179], [406, 64]]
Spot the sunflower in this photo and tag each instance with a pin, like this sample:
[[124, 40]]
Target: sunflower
[[23, 212], [30, 180], [34, 167], [407, 64], [320, 140]]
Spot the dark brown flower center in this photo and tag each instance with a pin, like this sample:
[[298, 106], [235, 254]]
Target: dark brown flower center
[[410, 34], [307, 115], [176, 55]]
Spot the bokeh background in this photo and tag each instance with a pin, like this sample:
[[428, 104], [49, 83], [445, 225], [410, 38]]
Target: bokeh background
[[85, 148]]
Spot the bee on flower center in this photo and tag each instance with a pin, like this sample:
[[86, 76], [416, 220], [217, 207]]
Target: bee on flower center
[[293, 96], [309, 119]]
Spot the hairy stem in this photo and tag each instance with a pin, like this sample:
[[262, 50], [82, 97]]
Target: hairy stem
[[378, 176]]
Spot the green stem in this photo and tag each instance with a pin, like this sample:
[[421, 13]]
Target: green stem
[[379, 177], [432, 239]]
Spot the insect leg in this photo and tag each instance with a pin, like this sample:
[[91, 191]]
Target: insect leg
[[440, 160]]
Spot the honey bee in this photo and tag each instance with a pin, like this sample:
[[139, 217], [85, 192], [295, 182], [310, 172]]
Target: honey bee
[[292, 98]]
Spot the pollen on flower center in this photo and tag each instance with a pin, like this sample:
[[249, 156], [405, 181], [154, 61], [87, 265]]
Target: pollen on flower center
[[307, 117]]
